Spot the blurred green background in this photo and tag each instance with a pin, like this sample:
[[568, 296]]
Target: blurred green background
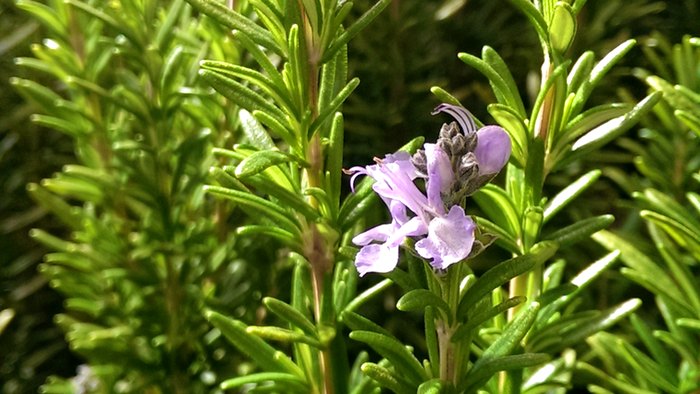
[[411, 47]]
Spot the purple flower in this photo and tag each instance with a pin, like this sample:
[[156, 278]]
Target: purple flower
[[493, 145], [449, 239], [492, 150], [449, 235], [455, 166]]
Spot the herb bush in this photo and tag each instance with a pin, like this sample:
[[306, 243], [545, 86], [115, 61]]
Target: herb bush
[[322, 196]]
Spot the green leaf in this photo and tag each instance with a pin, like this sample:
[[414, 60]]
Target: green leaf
[[486, 315], [277, 127], [679, 232], [693, 324], [562, 29], [45, 14], [406, 281], [261, 160], [282, 335], [618, 385], [334, 161], [419, 299], [226, 180], [598, 72], [52, 242], [368, 294], [668, 206], [260, 57], [532, 223], [288, 313], [502, 237], [641, 363], [172, 66], [580, 230], [478, 377], [615, 127], [640, 263], [254, 132], [271, 17], [89, 307], [569, 193], [43, 96], [502, 273], [273, 211], [659, 352], [331, 82], [493, 59], [165, 30], [432, 386], [690, 120], [444, 96], [498, 206], [334, 105], [680, 271], [276, 90], [74, 261], [580, 71], [6, 316], [387, 379], [55, 205], [575, 334], [603, 322], [506, 343], [122, 28], [514, 124], [240, 94], [236, 21], [296, 70], [263, 354], [580, 282], [498, 84], [401, 358], [431, 341], [578, 4], [289, 381], [359, 323]]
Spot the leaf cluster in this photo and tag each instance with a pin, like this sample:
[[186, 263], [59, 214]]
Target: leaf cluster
[[142, 258]]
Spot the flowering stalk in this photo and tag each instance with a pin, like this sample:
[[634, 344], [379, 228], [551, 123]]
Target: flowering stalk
[[462, 160], [451, 169]]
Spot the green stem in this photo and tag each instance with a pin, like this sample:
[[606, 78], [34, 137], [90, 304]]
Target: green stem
[[530, 284], [451, 354], [518, 287], [544, 117], [325, 359], [318, 254]]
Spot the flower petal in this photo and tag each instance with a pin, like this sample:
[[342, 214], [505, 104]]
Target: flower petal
[[449, 240], [355, 172], [461, 115], [440, 176], [412, 228], [379, 233], [492, 149], [394, 181], [376, 258]]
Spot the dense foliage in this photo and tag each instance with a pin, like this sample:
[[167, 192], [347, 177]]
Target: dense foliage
[[176, 215]]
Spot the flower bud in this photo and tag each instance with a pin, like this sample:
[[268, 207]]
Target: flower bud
[[492, 149]]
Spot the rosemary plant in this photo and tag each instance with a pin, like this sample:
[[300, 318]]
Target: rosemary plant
[[211, 175]]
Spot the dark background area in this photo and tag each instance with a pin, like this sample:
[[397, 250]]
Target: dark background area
[[398, 58]]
